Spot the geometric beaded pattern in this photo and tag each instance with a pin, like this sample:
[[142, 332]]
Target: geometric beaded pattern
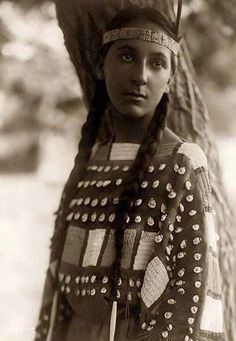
[[73, 245], [155, 283], [196, 261], [142, 34], [212, 236], [214, 288], [212, 300], [93, 247], [212, 307], [129, 239], [169, 255], [145, 250], [109, 254], [213, 296], [204, 183], [128, 151]]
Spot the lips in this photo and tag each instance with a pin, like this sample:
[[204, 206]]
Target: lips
[[136, 94]]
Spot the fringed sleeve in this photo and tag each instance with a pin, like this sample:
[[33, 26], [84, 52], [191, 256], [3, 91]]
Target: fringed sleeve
[[181, 294]]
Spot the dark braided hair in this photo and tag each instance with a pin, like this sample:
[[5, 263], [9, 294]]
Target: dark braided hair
[[151, 141], [136, 174], [89, 132]]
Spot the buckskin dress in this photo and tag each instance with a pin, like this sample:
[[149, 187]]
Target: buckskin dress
[[170, 275]]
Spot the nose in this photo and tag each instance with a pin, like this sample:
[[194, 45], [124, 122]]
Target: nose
[[140, 73]]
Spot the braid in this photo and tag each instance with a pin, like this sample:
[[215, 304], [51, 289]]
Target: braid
[[89, 135], [136, 174]]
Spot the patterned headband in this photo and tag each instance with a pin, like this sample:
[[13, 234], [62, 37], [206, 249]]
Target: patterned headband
[[142, 34]]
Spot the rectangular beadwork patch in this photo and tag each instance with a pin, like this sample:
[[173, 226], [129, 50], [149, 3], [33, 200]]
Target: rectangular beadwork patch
[[203, 180], [145, 250], [124, 151], [129, 239], [213, 309], [214, 283], [109, 254], [94, 245], [73, 245], [212, 236], [155, 281]]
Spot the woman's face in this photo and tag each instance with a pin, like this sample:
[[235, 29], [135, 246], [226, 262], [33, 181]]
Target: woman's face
[[137, 73]]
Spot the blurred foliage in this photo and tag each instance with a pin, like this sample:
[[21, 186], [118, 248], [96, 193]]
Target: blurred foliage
[[39, 90], [210, 28], [210, 31]]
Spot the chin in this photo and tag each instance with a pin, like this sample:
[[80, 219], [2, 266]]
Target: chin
[[133, 111], [134, 114]]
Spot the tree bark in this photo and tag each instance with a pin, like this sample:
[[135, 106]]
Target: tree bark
[[83, 22]]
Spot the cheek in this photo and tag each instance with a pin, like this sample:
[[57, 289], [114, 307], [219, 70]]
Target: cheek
[[160, 81], [111, 84], [115, 73], [115, 79]]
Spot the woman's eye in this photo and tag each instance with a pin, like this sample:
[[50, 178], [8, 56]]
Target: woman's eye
[[157, 63], [127, 57]]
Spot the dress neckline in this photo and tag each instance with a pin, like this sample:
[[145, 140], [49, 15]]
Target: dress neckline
[[123, 151]]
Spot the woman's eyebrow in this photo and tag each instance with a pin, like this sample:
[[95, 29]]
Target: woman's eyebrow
[[153, 54], [126, 47], [159, 54]]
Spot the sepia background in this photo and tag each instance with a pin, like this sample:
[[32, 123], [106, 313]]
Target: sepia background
[[41, 113]]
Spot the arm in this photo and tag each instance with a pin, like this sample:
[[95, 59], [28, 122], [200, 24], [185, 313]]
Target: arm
[[55, 312], [182, 286]]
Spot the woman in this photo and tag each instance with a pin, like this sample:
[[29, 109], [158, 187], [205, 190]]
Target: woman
[[134, 253]]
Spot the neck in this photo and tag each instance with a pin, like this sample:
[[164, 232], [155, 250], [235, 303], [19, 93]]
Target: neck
[[129, 129]]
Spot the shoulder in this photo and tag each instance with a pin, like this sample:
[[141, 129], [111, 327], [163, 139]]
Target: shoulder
[[193, 153], [195, 160]]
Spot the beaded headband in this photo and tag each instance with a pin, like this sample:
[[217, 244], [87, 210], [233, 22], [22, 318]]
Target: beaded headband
[[142, 34], [147, 35]]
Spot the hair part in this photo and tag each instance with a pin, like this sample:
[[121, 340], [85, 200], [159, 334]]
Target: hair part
[[134, 12]]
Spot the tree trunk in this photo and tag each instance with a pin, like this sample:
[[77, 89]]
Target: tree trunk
[[83, 22]]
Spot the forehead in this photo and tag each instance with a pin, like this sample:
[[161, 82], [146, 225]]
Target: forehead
[[140, 45]]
